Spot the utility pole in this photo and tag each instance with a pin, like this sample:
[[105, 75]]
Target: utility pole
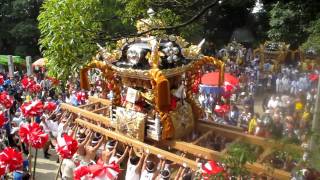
[[314, 145]]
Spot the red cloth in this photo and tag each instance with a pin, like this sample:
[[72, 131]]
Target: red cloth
[[212, 79], [1, 80], [67, 146], [211, 168], [2, 119], [50, 106], [33, 134], [173, 104], [6, 100], [32, 109], [10, 159]]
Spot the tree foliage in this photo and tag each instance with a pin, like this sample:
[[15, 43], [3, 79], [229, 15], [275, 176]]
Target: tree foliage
[[290, 19], [19, 33], [68, 29], [313, 41]]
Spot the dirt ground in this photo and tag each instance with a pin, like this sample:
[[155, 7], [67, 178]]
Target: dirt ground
[[46, 169]]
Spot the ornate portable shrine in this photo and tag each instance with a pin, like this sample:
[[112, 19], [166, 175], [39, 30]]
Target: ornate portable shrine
[[310, 59], [152, 105], [274, 52], [234, 51], [153, 76]]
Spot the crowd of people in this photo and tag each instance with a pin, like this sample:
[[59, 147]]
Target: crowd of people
[[267, 103], [93, 148], [285, 112]]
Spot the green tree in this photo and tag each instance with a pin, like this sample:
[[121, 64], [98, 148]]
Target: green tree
[[313, 40], [18, 21], [290, 19], [69, 30]]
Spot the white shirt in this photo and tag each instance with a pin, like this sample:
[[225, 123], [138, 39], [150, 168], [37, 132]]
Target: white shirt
[[145, 175], [131, 173], [50, 126], [113, 159], [67, 168]]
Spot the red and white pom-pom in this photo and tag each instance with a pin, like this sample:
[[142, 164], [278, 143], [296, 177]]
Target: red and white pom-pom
[[6, 100], [32, 109], [39, 140], [222, 109], [211, 168], [35, 88], [67, 146], [100, 171], [2, 170], [2, 119], [1, 80], [81, 96], [33, 134], [25, 82], [10, 159], [82, 173], [50, 106], [228, 87]]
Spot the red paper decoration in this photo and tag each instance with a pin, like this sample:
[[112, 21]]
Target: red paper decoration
[[50, 106], [81, 96], [67, 146], [10, 160], [6, 100], [26, 82], [97, 172], [2, 119], [33, 134], [211, 168], [1, 80], [32, 109], [81, 172], [109, 171], [35, 88], [222, 109]]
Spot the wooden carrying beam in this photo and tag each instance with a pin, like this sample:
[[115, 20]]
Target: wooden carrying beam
[[87, 114], [208, 154], [264, 142], [105, 102], [137, 144], [87, 105], [100, 109]]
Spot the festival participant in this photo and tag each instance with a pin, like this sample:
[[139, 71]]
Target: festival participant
[[50, 127], [82, 139], [109, 149], [163, 171], [148, 168], [134, 166], [118, 156], [253, 124], [276, 127], [90, 149]]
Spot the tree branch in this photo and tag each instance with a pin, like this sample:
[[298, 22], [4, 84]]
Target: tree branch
[[194, 18]]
